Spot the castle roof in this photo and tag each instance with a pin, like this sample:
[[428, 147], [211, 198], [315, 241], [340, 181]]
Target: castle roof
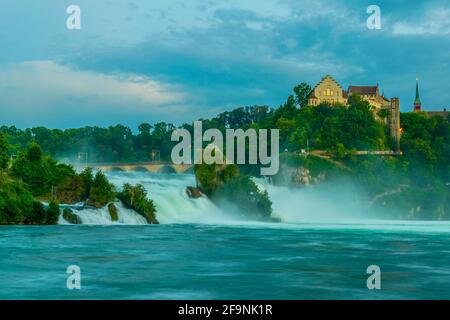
[[328, 77], [363, 90]]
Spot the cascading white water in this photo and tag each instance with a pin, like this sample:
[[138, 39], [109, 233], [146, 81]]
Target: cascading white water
[[102, 216], [168, 191]]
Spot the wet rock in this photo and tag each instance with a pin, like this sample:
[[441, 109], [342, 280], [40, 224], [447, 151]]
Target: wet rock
[[113, 212], [71, 217], [193, 193]]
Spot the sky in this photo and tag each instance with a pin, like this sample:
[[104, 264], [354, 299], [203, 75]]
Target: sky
[[176, 61]]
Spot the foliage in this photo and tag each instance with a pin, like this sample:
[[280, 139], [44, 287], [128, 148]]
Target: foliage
[[53, 213], [243, 192], [4, 147], [210, 177], [101, 191], [87, 177], [17, 205], [115, 143], [34, 152], [44, 177], [135, 197], [302, 92], [224, 184]]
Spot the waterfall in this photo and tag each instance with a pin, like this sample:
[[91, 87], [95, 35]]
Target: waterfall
[[168, 191]]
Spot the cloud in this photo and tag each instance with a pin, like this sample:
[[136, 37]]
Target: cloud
[[43, 89], [435, 22]]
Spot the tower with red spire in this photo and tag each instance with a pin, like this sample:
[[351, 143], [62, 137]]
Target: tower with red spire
[[417, 102]]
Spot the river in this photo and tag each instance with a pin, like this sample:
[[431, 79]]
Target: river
[[321, 250]]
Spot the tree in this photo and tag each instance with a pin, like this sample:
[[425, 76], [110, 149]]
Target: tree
[[302, 92], [243, 192], [101, 191], [4, 147], [52, 213], [34, 152], [87, 176]]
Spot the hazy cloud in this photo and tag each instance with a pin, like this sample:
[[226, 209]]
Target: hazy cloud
[[435, 22], [45, 88]]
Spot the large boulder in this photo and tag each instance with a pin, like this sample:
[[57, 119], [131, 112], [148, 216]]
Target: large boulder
[[299, 176], [113, 212], [71, 217], [193, 193]]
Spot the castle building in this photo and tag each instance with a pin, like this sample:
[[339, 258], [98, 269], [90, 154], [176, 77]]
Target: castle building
[[330, 91]]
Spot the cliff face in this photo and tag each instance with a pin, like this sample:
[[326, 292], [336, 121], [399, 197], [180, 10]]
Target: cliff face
[[298, 176]]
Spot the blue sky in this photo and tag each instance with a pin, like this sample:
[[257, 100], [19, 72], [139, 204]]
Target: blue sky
[[146, 61]]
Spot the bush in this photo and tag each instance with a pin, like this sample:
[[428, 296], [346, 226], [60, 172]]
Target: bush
[[34, 152], [53, 213], [87, 176], [17, 205], [210, 177]]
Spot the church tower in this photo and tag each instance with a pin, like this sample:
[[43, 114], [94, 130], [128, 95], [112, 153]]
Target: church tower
[[417, 102]]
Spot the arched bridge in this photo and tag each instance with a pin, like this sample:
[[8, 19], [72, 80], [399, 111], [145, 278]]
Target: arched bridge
[[155, 167]]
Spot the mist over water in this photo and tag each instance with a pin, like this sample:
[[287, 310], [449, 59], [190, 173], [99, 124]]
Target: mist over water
[[330, 203]]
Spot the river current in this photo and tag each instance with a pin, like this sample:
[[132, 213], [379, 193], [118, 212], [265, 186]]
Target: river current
[[321, 250]]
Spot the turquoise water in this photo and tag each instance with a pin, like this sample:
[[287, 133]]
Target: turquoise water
[[235, 261]]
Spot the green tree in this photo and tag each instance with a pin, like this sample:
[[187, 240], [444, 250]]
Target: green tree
[[302, 93], [52, 213], [34, 153], [87, 176], [101, 191], [4, 147]]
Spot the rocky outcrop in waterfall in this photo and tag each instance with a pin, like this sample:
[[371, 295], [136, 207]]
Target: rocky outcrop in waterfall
[[193, 193]]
